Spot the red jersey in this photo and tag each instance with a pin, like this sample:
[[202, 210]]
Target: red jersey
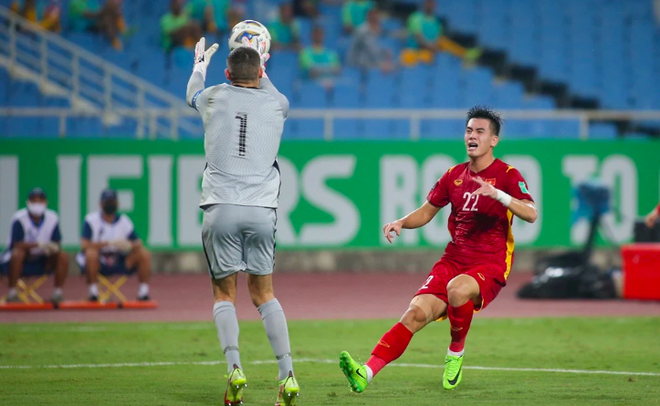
[[480, 226]]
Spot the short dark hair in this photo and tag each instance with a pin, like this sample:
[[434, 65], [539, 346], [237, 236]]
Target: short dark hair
[[488, 114], [243, 64]]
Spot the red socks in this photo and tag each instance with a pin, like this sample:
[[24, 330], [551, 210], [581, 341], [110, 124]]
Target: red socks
[[390, 347], [460, 319]]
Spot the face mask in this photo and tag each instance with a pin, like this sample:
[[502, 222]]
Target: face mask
[[109, 208], [36, 209]]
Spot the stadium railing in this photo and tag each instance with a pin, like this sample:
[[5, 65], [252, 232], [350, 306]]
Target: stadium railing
[[153, 116], [94, 86]]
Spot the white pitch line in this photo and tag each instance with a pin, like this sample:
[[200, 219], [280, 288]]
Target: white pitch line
[[100, 329], [327, 361]]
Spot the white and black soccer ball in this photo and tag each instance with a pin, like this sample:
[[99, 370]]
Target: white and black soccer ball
[[248, 29]]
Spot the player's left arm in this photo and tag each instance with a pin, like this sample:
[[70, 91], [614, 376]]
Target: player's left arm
[[522, 207]]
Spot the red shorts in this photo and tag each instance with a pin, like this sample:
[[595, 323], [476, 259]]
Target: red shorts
[[490, 278]]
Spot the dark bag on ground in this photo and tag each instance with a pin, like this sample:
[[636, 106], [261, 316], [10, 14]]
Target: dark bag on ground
[[644, 234], [576, 282]]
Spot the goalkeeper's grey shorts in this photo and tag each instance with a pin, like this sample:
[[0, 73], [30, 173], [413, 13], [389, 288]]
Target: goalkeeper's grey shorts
[[239, 238]]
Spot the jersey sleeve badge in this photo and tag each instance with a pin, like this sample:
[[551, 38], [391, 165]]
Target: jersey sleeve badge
[[523, 187]]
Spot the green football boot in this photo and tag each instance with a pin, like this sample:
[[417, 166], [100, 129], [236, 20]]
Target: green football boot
[[453, 372], [289, 391], [355, 373], [236, 383]]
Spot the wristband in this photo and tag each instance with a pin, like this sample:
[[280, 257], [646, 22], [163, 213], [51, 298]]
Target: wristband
[[503, 198]]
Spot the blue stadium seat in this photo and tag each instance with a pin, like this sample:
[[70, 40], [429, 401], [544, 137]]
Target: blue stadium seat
[[303, 129], [518, 129], [442, 129], [347, 129], [387, 129], [310, 95], [508, 95], [478, 87], [347, 96], [414, 88], [602, 131], [493, 27], [381, 90]]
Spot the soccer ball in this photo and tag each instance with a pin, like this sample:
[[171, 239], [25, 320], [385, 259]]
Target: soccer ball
[[248, 29]]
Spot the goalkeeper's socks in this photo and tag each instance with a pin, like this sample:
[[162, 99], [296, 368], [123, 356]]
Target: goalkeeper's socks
[[93, 289], [390, 347], [226, 324], [143, 290], [57, 292]]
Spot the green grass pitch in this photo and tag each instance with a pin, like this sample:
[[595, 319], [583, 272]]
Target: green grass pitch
[[192, 375]]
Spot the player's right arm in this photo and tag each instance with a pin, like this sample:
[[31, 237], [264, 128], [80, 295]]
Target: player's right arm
[[437, 198], [18, 237], [416, 219], [196, 82], [86, 239]]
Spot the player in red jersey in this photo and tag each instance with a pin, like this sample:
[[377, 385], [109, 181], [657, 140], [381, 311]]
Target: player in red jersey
[[485, 193]]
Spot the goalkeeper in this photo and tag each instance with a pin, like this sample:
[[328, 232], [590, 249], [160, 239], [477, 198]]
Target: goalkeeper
[[243, 123]]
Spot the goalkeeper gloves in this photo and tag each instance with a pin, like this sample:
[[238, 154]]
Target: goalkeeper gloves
[[203, 56], [258, 45]]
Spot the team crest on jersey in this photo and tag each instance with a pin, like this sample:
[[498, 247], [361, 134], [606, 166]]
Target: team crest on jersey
[[490, 181], [523, 187], [458, 182]]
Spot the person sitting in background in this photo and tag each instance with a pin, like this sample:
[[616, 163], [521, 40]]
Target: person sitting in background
[[365, 51], [317, 62], [47, 16], [87, 15], [653, 217], [109, 245], [426, 39], [285, 30], [354, 13], [213, 14], [34, 246], [178, 29], [51, 17]]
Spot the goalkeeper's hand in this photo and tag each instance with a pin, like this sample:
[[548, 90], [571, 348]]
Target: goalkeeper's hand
[[203, 56], [258, 45]]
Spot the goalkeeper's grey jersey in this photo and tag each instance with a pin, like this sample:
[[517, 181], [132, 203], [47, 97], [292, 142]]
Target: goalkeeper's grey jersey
[[242, 133]]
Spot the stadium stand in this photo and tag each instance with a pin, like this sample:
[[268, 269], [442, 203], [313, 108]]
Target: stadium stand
[[587, 47]]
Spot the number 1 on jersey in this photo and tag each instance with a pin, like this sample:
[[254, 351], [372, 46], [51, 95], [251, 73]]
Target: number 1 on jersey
[[241, 132]]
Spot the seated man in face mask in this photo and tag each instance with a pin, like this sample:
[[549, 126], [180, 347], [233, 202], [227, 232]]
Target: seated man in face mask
[[110, 245], [34, 246]]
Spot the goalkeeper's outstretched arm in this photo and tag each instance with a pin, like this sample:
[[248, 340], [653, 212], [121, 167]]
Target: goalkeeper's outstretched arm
[[196, 82], [194, 89]]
